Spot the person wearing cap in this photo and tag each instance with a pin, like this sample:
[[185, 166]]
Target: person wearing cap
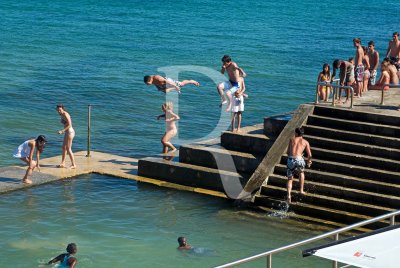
[[25, 152], [295, 162]]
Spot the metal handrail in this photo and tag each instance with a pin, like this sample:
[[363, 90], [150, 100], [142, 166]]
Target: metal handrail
[[334, 93], [88, 132], [390, 86], [335, 233], [324, 83]]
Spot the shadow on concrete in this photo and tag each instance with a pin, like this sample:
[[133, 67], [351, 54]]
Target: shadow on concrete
[[10, 180], [256, 131], [379, 107], [119, 162]]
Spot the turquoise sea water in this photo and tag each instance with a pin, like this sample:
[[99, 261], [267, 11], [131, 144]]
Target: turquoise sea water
[[97, 52], [119, 223]]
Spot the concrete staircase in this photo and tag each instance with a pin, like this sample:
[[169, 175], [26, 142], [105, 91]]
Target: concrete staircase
[[355, 173], [213, 164]]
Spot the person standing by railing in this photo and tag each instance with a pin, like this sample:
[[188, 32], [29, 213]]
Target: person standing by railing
[[359, 70], [324, 76], [373, 62], [346, 75], [367, 66], [393, 51]]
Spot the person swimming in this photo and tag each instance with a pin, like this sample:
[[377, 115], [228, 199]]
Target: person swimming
[[68, 259], [183, 245]]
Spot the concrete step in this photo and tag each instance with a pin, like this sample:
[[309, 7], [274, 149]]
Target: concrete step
[[329, 192], [273, 125], [351, 136], [320, 212], [344, 181], [356, 116], [354, 126], [353, 147], [218, 157], [189, 175], [284, 212], [347, 206], [356, 159], [349, 169], [248, 141]]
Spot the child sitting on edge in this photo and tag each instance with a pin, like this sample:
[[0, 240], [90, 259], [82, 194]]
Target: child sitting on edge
[[165, 84], [170, 126], [67, 260], [238, 106]]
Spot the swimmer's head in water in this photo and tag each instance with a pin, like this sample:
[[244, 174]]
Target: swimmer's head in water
[[182, 241], [72, 248]]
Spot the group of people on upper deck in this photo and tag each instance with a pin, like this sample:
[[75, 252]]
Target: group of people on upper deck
[[360, 71]]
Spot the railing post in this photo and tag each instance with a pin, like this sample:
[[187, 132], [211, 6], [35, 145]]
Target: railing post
[[352, 96], [88, 138], [334, 89], [392, 220], [269, 261], [335, 263]]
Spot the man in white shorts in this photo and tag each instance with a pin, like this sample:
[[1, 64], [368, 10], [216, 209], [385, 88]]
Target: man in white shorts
[[231, 86]]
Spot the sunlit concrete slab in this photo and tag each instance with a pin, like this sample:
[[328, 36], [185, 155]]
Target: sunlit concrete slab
[[371, 102], [101, 163]]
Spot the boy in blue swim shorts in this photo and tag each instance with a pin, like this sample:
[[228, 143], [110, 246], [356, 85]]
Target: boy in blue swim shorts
[[233, 84]]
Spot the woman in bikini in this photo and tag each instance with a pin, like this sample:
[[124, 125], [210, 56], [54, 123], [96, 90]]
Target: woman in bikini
[[69, 134], [324, 76], [170, 128]]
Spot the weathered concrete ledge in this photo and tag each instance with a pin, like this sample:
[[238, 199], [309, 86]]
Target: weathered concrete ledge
[[274, 154], [100, 163]]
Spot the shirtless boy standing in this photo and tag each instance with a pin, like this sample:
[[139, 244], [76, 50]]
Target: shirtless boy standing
[[393, 51], [233, 85], [295, 162], [373, 62], [359, 67]]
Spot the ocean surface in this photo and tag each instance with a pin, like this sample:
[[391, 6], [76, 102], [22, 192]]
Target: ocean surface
[[82, 53], [139, 228]]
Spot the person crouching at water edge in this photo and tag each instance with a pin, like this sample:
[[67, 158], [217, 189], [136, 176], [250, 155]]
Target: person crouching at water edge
[[25, 152], [69, 134], [170, 126]]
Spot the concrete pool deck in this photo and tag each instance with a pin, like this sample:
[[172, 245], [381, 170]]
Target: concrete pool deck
[[98, 162]]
